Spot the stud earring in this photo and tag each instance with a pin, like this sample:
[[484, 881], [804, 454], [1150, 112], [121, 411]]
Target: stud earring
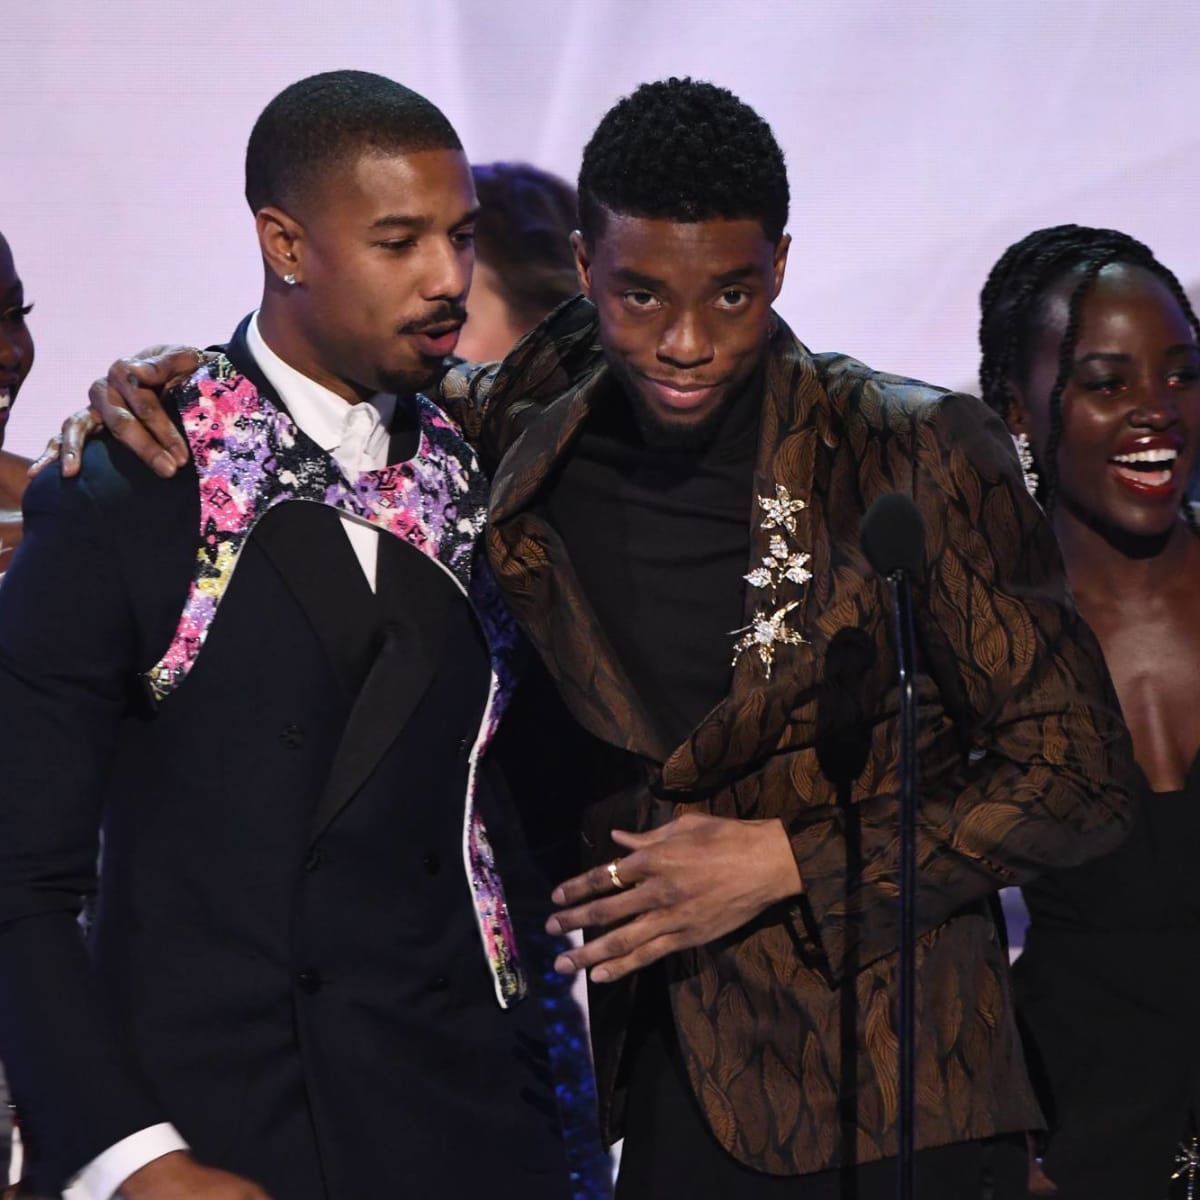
[[1025, 458], [290, 279]]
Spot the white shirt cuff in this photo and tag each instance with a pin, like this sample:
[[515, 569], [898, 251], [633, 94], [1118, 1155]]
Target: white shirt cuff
[[101, 1179]]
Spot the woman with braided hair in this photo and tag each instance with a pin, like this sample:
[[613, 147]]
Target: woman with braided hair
[[1090, 352]]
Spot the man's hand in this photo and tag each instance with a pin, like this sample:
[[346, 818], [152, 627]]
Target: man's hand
[[128, 402], [684, 884], [178, 1176]]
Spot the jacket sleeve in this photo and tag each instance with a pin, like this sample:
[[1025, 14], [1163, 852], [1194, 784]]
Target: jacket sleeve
[[67, 654], [1039, 773]]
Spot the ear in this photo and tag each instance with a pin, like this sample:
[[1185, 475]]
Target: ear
[[281, 239], [583, 263], [779, 266], [1017, 417]]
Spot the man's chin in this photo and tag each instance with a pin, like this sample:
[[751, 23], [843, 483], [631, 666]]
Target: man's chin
[[405, 381], [668, 429]]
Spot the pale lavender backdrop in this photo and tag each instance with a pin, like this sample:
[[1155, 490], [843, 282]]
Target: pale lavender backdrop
[[922, 138]]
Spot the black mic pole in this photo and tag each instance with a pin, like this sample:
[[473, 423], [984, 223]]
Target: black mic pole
[[893, 539]]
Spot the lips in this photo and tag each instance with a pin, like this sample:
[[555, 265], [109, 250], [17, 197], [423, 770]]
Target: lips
[[1148, 467], [438, 340], [681, 397]]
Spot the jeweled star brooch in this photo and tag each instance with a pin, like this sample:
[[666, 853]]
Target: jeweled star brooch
[[768, 629]]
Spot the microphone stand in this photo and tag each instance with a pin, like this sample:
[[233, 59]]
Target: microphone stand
[[901, 589]]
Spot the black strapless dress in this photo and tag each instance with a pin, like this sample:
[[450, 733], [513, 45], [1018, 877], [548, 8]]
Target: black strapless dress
[[1108, 995]]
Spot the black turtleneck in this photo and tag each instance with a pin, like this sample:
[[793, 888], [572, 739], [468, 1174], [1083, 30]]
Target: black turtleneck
[[660, 540]]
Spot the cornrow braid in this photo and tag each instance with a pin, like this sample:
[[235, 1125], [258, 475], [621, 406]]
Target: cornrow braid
[[1013, 309], [1066, 359]]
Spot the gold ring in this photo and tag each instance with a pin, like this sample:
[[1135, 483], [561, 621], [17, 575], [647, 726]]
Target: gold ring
[[616, 879]]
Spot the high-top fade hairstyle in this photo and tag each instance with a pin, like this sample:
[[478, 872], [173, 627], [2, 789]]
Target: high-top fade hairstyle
[[682, 150], [326, 120], [1013, 308]]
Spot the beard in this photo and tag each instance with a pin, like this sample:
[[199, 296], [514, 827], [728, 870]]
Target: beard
[[408, 383], [676, 437]]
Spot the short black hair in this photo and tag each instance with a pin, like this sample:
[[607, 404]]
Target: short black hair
[[683, 150], [323, 121], [1013, 310], [523, 233]]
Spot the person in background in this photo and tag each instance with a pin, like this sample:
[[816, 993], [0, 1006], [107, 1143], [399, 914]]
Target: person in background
[[524, 267], [1089, 352], [16, 358]]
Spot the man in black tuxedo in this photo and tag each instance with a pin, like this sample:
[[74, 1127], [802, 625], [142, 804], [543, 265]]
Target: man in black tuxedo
[[301, 979]]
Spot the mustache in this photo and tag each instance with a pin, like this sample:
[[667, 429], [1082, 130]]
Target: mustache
[[450, 313]]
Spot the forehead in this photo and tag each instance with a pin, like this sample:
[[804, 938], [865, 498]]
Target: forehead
[[1123, 301], [680, 250], [423, 184]]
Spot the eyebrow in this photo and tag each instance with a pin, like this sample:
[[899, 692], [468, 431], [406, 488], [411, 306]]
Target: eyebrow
[[737, 275], [1100, 356], [637, 279], [407, 221], [632, 278]]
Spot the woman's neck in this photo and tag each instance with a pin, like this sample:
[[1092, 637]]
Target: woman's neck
[[1108, 566]]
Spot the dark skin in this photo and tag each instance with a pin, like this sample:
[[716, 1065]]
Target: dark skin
[[685, 316], [16, 358], [381, 252], [1133, 563]]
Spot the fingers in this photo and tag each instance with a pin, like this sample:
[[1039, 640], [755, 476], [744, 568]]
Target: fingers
[[76, 430], [623, 951], [50, 454], [619, 906], [597, 882], [635, 841], [135, 417], [136, 384]]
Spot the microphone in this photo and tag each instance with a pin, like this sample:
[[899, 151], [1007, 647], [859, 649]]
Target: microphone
[[892, 535]]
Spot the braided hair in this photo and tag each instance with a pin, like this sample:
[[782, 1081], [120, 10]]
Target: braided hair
[[1013, 310]]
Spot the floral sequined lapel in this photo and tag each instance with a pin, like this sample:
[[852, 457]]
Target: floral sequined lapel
[[250, 457]]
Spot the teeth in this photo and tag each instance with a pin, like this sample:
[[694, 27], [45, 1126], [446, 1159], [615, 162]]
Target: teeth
[[1147, 456], [1150, 478], [5, 399]]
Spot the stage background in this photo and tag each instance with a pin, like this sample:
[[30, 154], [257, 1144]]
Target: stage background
[[922, 138]]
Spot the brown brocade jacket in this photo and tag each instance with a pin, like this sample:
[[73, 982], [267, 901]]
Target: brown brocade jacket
[[787, 1025]]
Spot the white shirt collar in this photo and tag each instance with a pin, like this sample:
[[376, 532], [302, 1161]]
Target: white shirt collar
[[322, 414]]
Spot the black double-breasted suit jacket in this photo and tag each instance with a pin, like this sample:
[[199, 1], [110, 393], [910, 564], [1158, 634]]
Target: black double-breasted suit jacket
[[284, 958]]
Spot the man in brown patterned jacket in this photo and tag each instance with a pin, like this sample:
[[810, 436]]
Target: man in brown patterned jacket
[[675, 512]]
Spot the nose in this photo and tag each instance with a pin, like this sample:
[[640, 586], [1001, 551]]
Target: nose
[[686, 341], [12, 348], [448, 270], [1159, 407]]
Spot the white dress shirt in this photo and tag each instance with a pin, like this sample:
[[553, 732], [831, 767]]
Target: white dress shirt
[[356, 436]]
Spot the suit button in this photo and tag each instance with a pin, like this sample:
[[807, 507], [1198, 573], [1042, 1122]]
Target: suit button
[[313, 861], [431, 863], [292, 735], [310, 981], [440, 983], [464, 746]]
